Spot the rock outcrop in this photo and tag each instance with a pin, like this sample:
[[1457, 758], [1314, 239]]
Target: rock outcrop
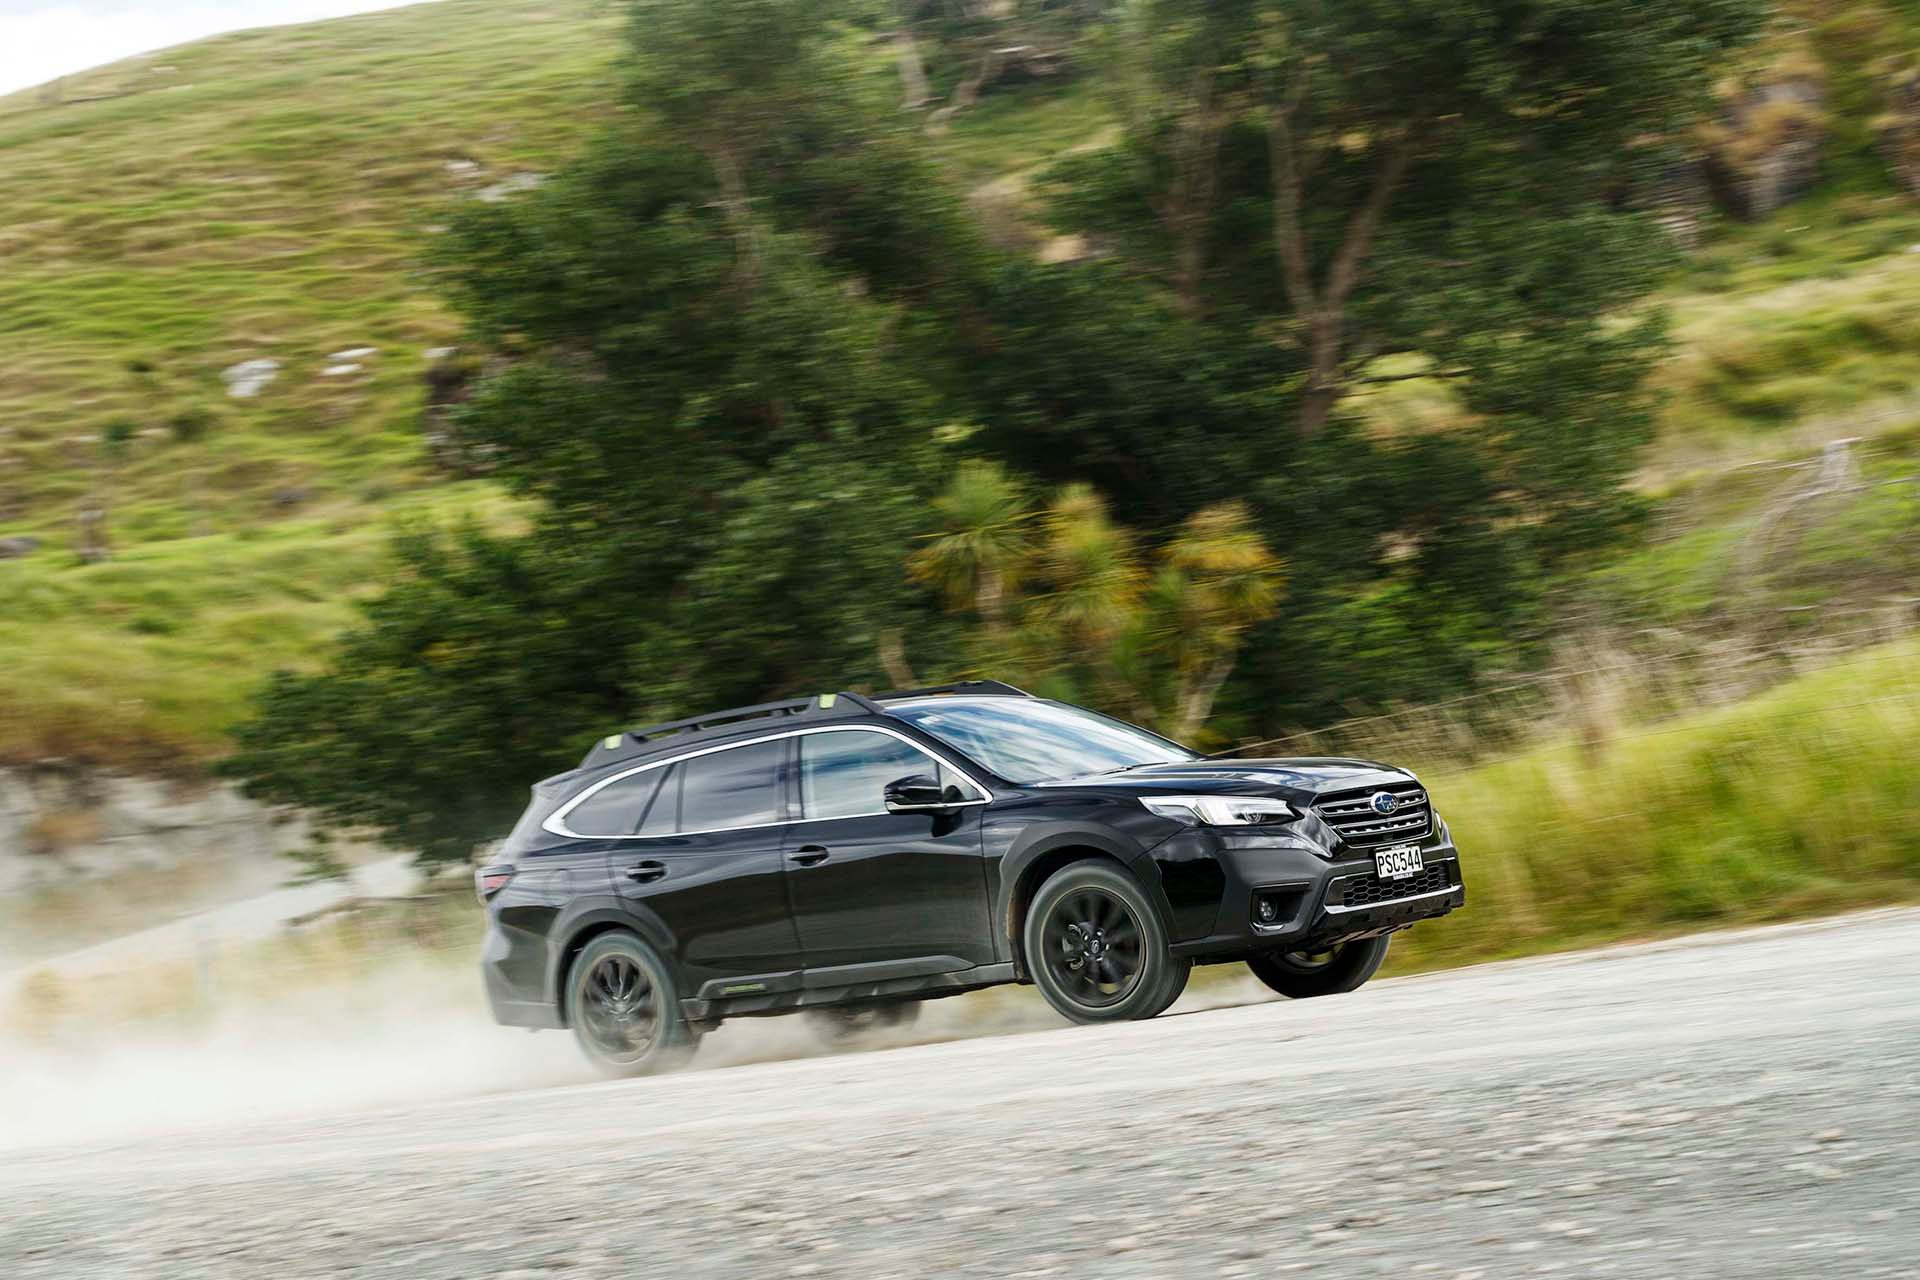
[[62, 824], [1765, 148]]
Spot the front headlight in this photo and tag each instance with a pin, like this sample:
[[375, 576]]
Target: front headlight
[[1220, 811]]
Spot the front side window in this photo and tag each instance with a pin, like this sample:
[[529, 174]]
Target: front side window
[[1028, 740], [738, 787], [617, 808], [845, 774]]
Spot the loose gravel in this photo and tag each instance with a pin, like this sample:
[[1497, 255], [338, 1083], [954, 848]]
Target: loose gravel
[[1733, 1105]]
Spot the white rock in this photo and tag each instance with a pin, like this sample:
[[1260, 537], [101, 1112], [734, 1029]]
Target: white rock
[[353, 353], [339, 370], [463, 166], [249, 377], [512, 184], [440, 353]]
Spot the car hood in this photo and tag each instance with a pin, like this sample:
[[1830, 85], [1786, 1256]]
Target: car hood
[[1296, 778]]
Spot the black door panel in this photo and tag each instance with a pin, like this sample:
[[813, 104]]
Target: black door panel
[[724, 896], [890, 887], [870, 886]]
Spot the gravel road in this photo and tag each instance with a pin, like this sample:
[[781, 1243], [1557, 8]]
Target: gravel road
[[1732, 1105]]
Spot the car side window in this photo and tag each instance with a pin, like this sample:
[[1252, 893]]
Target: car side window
[[663, 815], [844, 774], [738, 787], [617, 808]]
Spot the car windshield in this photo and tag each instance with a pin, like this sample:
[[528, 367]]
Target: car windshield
[[1027, 740]]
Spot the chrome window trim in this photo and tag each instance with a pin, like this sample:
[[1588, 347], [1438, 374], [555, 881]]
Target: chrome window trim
[[556, 822]]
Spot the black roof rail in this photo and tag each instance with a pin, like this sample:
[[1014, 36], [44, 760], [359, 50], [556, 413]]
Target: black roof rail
[[633, 742], [982, 688]]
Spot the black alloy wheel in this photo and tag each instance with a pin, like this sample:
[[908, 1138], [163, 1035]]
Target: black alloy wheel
[[624, 1008], [619, 1010], [1096, 949], [1092, 947]]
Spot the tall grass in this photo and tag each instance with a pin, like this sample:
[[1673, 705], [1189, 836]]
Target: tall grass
[[1800, 800]]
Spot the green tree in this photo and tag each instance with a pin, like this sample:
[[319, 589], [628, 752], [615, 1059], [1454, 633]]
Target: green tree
[[1086, 609], [725, 348], [704, 387], [977, 558]]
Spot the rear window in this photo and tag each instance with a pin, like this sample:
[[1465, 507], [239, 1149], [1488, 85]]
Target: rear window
[[738, 787]]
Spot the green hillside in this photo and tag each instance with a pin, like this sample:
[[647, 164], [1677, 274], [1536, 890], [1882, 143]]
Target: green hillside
[[265, 195], [273, 195]]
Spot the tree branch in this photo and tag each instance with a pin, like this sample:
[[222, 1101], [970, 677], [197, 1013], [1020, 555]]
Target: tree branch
[[1366, 220], [1410, 377], [1289, 239]]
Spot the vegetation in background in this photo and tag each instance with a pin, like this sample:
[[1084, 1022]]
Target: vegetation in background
[[1800, 800], [298, 206], [739, 345], [1063, 600]]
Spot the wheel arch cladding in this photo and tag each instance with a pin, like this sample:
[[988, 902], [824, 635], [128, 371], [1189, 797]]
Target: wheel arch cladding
[[596, 922]]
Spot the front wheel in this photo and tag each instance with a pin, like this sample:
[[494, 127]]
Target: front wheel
[[1299, 975], [1096, 949], [625, 1009]]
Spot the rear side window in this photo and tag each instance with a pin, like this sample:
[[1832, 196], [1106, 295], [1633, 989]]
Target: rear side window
[[738, 787], [617, 808], [663, 815]]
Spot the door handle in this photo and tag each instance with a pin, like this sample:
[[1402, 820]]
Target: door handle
[[645, 871], [808, 855]]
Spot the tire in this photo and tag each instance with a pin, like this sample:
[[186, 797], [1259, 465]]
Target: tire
[[1177, 974], [1300, 977], [843, 1024], [625, 1009], [1096, 948]]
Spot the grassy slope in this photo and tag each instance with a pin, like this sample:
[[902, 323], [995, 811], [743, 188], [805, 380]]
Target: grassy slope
[[1801, 800], [271, 193], [266, 194]]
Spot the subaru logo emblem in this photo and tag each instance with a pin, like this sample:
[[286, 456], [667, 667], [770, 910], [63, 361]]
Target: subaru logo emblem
[[1385, 802]]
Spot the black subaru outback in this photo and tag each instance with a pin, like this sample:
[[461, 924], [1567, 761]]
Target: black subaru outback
[[854, 856]]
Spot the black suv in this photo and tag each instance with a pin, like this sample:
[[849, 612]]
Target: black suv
[[854, 856]]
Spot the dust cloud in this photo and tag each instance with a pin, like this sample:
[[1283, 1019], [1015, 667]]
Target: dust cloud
[[411, 1035]]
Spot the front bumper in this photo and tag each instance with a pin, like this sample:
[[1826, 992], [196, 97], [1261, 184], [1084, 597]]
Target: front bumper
[[1319, 900]]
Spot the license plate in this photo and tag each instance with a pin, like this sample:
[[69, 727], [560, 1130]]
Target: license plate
[[1398, 862]]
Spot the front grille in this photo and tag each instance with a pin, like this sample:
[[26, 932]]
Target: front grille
[[1352, 816], [1367, 890]]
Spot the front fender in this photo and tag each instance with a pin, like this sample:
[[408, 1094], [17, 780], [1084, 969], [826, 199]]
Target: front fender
[[1028, 851]]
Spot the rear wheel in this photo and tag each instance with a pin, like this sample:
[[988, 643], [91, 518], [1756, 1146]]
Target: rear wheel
[[624, 1008], [1300, 975], [840, 1024], [1097, 950]]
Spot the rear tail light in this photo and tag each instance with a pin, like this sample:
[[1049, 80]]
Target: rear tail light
[[488, 881]]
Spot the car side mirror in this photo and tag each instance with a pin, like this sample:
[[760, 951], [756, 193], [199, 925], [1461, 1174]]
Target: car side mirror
[[915, 794]]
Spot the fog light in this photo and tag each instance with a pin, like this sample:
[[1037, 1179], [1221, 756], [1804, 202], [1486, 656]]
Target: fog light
[[1275, 908]]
